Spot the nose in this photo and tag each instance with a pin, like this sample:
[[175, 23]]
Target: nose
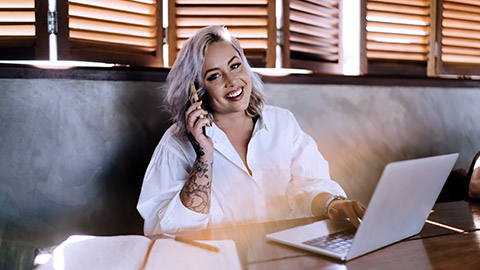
[[229, 80]]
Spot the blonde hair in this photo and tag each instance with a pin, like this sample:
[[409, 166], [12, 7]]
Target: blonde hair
[[187, 68]]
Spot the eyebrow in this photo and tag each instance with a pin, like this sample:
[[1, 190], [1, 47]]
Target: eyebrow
[[212, 69]]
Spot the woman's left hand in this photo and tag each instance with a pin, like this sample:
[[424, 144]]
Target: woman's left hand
[[343, 209]]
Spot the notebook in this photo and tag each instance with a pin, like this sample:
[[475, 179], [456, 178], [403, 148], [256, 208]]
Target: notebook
[[400, 204], [137, 252]]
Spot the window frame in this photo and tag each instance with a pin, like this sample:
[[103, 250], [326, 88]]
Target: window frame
[[317, 66], [267, 61], [40, 49], [436, 66], [90, 53], [387, 67]]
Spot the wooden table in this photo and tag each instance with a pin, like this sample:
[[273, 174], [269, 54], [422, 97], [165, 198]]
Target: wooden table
[[433, 248]]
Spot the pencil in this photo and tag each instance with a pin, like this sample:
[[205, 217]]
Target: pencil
[[193, 243], [446, 226]]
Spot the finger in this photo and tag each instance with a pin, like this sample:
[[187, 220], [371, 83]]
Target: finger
[[346, 210], [194, 106], [351, 215], [194, 116], [199, 133], [359, 209], [355, 222], [197, 129]]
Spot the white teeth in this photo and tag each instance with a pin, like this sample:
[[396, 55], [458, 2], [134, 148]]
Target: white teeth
[[235, 94]]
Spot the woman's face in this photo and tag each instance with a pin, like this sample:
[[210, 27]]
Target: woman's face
[[226, 79]]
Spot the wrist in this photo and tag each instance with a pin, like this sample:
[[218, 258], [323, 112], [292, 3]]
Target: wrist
[[206, 156], [330, 201]]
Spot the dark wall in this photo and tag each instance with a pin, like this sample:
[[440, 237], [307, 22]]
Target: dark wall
[[73, 155], [73, 152]]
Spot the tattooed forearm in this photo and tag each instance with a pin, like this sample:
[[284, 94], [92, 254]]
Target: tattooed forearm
[[196, 197], [196, 193], [200, 169]]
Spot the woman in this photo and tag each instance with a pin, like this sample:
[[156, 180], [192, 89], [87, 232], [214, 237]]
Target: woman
[[228, 158]]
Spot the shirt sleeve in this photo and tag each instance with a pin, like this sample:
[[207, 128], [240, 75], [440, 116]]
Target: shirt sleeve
[[159, 203], [309, 173]]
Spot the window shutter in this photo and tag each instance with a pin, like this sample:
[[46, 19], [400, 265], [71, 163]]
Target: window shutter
[[252, 22], [23, 31], [458, 38], [312, 35], [397, 31], [114, 31]]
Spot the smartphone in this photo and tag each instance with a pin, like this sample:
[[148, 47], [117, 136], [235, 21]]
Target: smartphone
[[195, 99], [195, 96]]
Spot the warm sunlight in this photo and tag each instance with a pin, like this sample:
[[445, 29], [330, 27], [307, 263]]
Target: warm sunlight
[[58, 256], [58, 64]]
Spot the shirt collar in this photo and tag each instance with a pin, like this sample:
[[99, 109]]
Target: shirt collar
[[260, 124], [210, 130]]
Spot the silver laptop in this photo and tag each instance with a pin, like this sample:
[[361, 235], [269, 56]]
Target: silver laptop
[[401, 202]]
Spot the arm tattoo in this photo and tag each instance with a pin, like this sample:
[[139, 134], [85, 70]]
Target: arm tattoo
[[194, 195], [196, 146]]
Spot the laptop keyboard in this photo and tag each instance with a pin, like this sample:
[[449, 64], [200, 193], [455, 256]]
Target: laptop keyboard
[[338, 242]]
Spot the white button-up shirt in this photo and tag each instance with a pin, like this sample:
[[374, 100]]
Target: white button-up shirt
[[287, 173]]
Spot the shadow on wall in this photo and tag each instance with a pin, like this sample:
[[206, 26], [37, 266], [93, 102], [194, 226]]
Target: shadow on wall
[[73, 155], [359, 129]]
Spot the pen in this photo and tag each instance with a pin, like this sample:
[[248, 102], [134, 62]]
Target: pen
[[192, 242]]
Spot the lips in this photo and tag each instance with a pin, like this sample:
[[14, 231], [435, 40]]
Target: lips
[[235, 95]]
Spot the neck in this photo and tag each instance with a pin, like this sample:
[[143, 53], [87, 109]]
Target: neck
[[233, 121]]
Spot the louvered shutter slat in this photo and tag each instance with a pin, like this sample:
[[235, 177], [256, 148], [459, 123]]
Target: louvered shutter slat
[[224, 21], [17, 23], [221, 11], [109, 27], [119, 5], [255, 32], [127, 31], [96, 13], [312, 35], [394, 38], [222, 2], [460, 32], [249, 21], [397, 30]]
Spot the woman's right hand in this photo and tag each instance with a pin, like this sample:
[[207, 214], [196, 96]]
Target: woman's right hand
[[202, 144]]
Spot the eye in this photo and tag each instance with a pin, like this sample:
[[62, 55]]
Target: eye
[[235, 66], [213, 77]]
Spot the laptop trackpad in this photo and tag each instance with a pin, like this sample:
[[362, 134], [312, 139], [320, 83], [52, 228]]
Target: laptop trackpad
[[310, 231]]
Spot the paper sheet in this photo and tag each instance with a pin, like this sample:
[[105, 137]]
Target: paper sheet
[[171, 254], [130, 252]]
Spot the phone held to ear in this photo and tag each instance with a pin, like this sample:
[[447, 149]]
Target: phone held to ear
[[195, 99]]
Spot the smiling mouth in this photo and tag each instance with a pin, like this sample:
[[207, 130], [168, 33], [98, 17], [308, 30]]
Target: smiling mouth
[[235, 94]]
